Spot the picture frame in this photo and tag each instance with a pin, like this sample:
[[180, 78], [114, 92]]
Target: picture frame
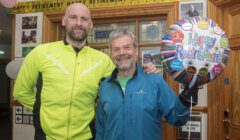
[[28, 32], [193, 8]]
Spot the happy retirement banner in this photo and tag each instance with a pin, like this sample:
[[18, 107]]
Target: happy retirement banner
[[60, 5]]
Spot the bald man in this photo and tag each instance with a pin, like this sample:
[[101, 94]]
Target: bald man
[[70, 72]]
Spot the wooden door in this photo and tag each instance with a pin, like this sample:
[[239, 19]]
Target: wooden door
[[224, 91]]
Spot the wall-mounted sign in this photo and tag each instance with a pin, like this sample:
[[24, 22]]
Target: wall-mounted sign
[[193, 129], [60, 5], [23, 116]]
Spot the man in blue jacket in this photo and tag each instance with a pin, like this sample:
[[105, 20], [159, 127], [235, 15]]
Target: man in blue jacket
[[131, 103]]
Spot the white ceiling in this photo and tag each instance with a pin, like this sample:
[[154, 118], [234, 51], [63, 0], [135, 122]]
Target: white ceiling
[[6, 21]]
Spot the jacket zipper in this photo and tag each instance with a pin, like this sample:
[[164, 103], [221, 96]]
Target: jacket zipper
[[70, 102], [118, 84]]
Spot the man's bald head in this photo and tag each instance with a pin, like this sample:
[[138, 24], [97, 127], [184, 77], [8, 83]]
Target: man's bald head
[[78, 6], [77, 21]]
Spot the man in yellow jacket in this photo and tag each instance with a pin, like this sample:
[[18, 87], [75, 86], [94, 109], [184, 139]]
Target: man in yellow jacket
[[70, 71]]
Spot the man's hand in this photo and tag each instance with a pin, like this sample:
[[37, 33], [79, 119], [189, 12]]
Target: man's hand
[[187, 93], [150, 68]]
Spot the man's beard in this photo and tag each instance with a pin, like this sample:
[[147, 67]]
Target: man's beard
[[125, 67], [73, 36]]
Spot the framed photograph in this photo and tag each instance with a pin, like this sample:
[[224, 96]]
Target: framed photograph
[[29, 22], [192, 8], [29, 36], [28, 32]]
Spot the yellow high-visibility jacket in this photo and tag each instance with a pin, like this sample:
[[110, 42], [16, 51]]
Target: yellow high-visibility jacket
[[65, 104]]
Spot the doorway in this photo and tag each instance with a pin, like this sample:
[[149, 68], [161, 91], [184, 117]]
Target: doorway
[[5, 110]]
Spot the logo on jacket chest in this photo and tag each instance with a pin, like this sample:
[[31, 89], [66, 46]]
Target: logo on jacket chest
[[141, 91]]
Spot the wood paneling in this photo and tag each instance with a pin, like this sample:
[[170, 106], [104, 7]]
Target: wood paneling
[[224, 91], [232, 14], [50, 28], [229, 11], [213, 101], [234, 133], [224, 3], [235, 105]]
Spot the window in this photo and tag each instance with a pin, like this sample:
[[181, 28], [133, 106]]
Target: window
[[148, 31]]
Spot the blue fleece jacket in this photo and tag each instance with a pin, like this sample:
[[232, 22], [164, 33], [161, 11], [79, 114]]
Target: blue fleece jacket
[[137, 115]]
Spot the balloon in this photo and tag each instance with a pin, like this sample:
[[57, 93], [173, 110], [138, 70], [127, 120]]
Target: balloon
[[8, 3], [195, 49], [13, 68]]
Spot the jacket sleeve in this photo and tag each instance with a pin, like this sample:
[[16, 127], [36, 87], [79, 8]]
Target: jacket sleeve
[[169, 104], [24, 88], [100, 121]]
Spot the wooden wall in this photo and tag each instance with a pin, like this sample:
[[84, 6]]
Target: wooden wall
[[224, 91]]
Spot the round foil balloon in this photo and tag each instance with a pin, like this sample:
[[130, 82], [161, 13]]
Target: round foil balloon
[[195, 49], [13, 68], [8, 3]]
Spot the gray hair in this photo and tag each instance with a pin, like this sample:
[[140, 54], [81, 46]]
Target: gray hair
[[120, 33]]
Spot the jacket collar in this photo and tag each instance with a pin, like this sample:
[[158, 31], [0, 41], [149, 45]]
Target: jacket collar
[[115, 72], [66, 43], [76, 49]]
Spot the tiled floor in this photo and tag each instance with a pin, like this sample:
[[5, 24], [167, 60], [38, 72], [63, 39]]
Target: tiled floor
[[5, 124]]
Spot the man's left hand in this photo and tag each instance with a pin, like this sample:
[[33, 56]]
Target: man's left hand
[[150, 68]]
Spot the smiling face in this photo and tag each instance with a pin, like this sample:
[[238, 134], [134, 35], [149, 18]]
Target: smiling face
[[124, 54], [78, 22]]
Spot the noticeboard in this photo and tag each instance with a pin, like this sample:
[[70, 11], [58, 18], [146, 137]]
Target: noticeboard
[[191, 130]]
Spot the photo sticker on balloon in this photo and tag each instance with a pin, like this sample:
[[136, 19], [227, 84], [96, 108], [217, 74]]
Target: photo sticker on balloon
[[201, 50], [177, 36], [203, 71], [176, 65], [217, 69], [217, 30], [191, 70], [202, 25], [187, 26]]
